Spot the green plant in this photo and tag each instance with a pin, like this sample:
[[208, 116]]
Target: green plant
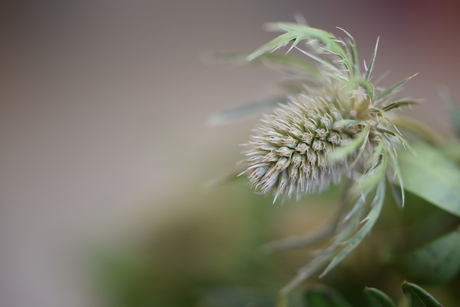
[[336, 126]]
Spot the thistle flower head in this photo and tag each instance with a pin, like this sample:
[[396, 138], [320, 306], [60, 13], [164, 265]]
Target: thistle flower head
[[334, 125], [289, 153]]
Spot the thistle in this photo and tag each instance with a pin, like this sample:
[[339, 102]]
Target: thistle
[[333, 125]]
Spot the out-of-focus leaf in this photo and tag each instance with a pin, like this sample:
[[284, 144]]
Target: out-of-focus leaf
[[453, 108], [434, 263], [281, 301], [452, 151], [230, 115], [325, 297], [377, 298], [431, 176], [286, 60], [419, 297]]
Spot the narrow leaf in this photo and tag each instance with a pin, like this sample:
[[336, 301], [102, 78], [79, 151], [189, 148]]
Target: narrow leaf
[[398, 104], [370, 220], [431, 176], [295, 34], [353, 52], [391, 89], [419, 297], [371, 63], [377, 298], [276, 43]]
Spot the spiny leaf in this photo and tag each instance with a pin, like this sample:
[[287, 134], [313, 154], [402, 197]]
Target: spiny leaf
[[326, 255], [369, 222], [419, 297], [295, 34], [338, 75], [391, 89], [352, 50], [398, 104], [377, 298], [431, 176], [367, 75]]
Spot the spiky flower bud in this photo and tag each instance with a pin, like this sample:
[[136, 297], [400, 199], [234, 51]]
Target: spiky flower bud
[[288, 154]]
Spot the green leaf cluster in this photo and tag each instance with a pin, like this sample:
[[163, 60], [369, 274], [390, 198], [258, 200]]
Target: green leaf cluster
[[415, 296]]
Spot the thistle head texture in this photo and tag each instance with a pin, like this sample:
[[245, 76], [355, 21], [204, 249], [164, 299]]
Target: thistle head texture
[[333, 126]]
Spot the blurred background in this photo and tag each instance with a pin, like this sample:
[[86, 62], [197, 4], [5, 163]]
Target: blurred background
[[105, 146]]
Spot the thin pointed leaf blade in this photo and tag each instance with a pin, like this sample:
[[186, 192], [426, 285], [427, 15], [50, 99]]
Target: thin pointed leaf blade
[[432, 176], [372, 62], [377, 298], [391, 89], [398, 104], [353, 51], [419, 297], [354, 241]]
